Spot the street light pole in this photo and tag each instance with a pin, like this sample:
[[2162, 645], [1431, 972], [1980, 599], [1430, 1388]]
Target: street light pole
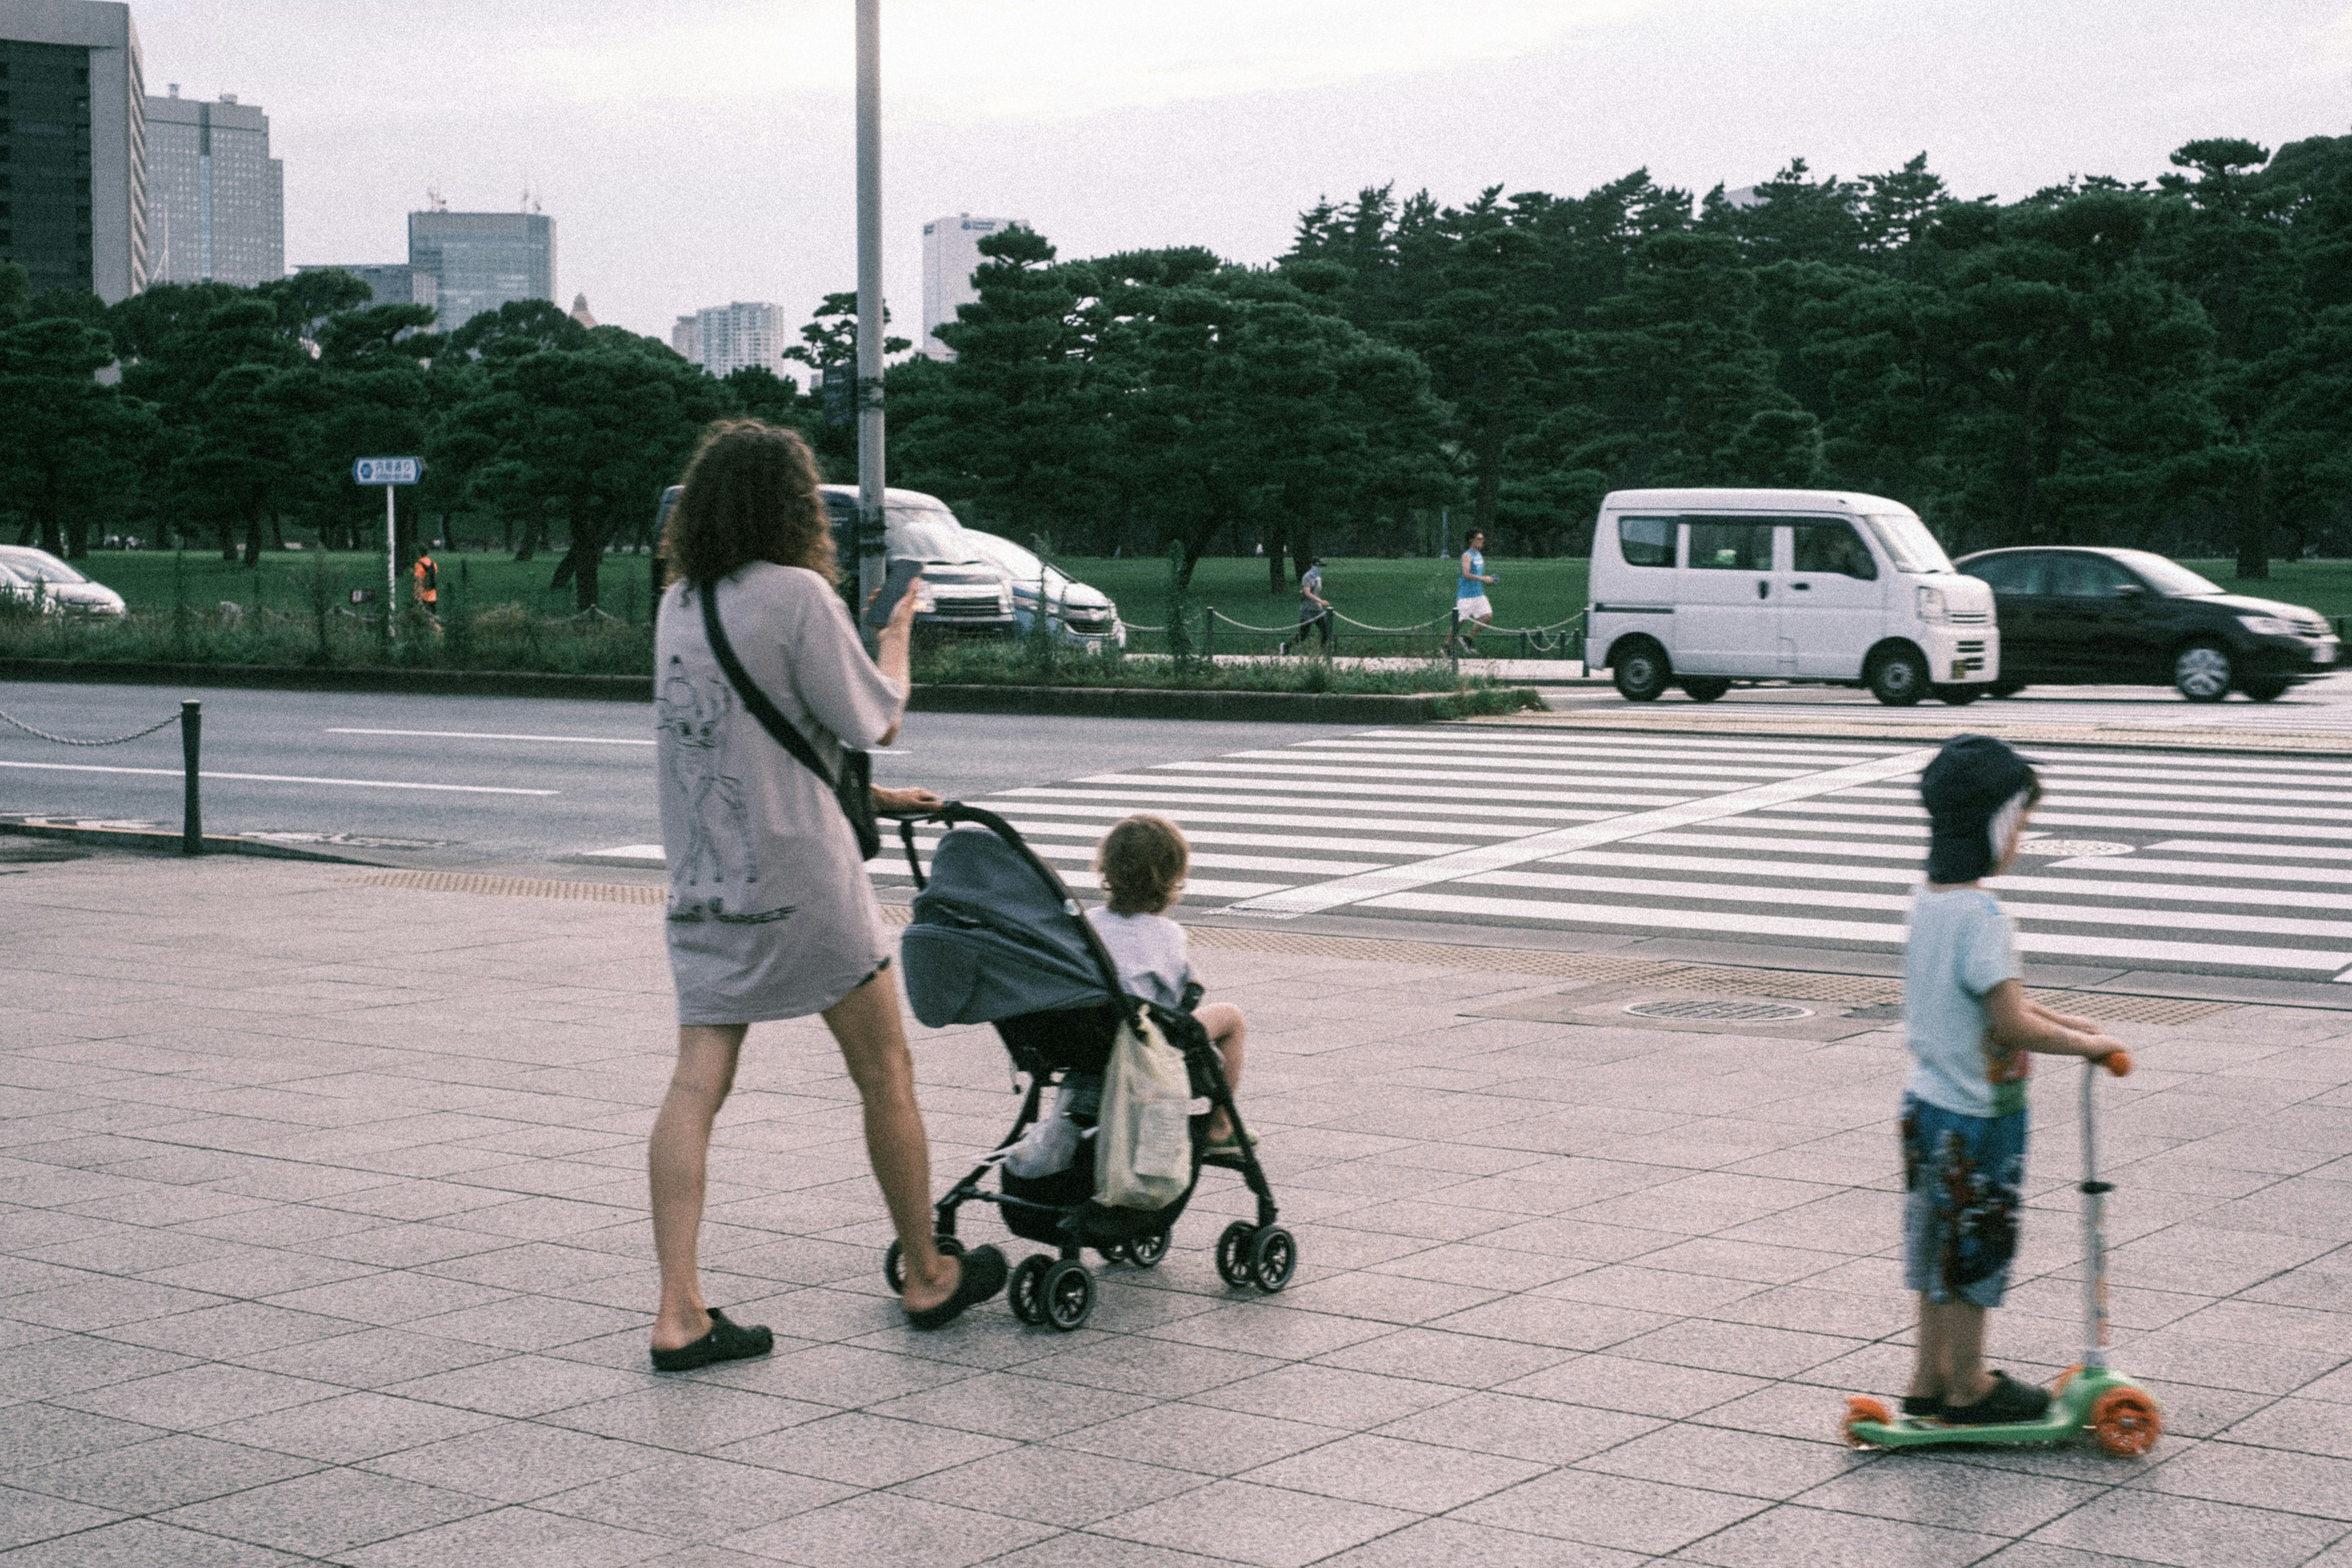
[[871, 561]]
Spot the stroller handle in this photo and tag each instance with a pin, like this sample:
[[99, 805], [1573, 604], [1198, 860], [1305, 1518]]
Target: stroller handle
[[954, 812]]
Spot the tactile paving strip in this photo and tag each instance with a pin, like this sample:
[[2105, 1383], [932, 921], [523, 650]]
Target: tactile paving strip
[[1804, 985]]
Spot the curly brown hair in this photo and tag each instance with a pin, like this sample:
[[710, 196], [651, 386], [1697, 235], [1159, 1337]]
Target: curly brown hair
[[750, 495], [1143, 861]]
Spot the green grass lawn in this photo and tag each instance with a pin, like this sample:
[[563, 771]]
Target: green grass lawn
[[1381, 593]]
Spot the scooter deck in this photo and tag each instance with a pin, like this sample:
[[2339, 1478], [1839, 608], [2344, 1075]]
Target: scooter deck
[[2070, 1412]]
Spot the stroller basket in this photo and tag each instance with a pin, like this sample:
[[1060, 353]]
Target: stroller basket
[[998, 939]]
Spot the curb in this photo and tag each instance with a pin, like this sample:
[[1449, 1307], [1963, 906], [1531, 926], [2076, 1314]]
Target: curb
[[1080, 702], [165, 841], [2113, 737]]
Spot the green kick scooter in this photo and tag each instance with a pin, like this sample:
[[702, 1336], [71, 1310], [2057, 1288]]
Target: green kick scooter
[[2091, 1396]]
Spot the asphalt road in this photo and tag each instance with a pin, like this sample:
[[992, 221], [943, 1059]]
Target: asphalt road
[[2323, 704], [479, 782]]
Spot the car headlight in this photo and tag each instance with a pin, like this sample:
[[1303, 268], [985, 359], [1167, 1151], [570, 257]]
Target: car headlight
[[1932, 606], [2267, 626]]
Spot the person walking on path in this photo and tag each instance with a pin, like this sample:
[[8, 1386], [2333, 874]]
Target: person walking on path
[[771, 914], [427, 574], [1313, 609], [1471, 609], [1970, 1028]]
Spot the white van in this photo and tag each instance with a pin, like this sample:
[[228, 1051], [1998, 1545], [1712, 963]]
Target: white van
[[1701, 588]]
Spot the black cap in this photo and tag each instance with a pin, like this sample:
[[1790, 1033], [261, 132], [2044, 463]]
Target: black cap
[[1971, 779]]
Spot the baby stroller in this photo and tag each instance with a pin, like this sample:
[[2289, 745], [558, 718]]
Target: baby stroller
[[997, 938]]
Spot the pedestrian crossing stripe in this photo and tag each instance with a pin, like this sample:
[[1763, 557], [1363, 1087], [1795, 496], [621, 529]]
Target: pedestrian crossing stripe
[[2232, 869]]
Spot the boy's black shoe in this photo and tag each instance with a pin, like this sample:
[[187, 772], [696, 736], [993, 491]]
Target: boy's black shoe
[[1922, 1407], [2009, 1401]]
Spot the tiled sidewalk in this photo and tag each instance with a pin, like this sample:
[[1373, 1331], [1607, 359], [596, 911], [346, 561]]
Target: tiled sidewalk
[[322, 1238]]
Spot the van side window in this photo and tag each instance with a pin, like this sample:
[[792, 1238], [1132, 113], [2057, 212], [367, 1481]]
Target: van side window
[[1832, 545], [1646, 540], [1725, 546]]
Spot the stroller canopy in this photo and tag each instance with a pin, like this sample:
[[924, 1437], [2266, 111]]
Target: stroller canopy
[[991, 939]]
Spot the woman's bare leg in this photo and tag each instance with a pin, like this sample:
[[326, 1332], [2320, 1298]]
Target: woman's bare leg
[[1229, 1032], [678, 1159], [873, 1038]]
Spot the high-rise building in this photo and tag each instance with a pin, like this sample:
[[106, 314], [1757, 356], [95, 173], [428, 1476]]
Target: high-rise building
[[73, 156], [215, 198], [480, 262], [724, 339], [951, 253], [391, 283]]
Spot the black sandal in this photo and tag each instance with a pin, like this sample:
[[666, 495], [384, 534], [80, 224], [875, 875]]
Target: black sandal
[[2008, 1402], [983, 1277], [725, 1341]]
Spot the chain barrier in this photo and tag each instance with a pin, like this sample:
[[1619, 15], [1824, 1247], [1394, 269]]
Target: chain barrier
[[70, 741], [191, 720]]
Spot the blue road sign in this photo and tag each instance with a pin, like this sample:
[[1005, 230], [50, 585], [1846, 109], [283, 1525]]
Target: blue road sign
[[388, 470]]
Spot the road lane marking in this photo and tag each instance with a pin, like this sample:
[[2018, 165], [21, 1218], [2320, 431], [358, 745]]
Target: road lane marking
[[1371, 885], [481, 735], [279, 778]]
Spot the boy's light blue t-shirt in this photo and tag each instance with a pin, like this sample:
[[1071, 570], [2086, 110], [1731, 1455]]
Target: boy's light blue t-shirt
[[1959, 947]]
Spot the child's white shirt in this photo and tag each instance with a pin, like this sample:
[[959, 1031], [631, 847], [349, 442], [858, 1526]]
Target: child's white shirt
[[1153, 955]]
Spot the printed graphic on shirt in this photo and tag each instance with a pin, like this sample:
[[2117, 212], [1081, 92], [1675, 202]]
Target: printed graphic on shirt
[[718, 841]]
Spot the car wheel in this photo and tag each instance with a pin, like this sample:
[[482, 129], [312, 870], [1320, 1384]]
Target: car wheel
[[1641, 669], [2201, 672], [2264, 690], [1897, 678], [2005, 688], [1958, 696], [1705, 688]]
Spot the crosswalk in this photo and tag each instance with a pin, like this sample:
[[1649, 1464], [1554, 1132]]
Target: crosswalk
[[2227, 864]]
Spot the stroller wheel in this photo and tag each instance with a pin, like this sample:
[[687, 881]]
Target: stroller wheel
[[1233, 1253], [1274, 1257], [894, 1262], [1114, 1252], [1025, 1290], [1067, 1294], [1145, 1251]]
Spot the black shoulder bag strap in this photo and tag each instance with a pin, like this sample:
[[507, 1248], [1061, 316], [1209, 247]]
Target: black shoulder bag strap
[[854, 789]]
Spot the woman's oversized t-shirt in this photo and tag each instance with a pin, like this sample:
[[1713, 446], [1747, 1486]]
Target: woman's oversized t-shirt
[[772, 914]]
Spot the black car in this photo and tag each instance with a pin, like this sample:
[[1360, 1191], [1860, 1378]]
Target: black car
[[2078, 616]]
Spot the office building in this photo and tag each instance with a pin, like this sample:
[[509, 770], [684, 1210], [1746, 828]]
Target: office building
[[215, 198], [73, 155], [480, 262], [951, 253], [390, 283], [724, 339]]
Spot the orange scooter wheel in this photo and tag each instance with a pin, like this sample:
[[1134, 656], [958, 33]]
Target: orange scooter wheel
[[1858, 1411], [2126, 1423]]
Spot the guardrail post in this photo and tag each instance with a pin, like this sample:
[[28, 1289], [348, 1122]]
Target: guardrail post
[[192, 812], [1208, 633]]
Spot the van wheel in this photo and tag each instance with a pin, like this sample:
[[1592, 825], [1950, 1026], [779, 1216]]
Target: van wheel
[[2005, 688], [1898, 676], [2201, 672], [1642, 671], [1958, 696], [1704, 688]]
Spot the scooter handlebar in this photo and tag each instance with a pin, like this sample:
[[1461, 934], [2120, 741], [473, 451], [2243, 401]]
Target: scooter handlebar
[[2118, 1062]]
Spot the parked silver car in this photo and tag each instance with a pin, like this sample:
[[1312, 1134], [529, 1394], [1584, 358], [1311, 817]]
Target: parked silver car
[[26, 574], [1080, 616]]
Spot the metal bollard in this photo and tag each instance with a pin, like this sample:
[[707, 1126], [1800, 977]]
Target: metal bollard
[[191, 811], [1208, 633]]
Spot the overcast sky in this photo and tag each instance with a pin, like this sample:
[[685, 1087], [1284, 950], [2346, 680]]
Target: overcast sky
[[695, 152]]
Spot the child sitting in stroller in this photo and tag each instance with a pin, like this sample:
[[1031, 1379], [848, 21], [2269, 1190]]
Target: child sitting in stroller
[[1143, 862]]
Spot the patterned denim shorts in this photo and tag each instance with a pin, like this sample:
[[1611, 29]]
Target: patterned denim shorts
[[1961, 1176]]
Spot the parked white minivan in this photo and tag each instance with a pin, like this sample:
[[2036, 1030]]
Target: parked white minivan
[[1701, 588]]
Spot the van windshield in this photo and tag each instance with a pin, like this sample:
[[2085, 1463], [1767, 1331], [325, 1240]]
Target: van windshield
[[1908, 543], [928, 533]]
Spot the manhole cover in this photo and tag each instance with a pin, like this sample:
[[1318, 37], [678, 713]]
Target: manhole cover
[[1721, 1011], [2072, 846]]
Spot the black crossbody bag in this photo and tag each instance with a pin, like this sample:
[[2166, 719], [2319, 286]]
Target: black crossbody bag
[[854, 789]]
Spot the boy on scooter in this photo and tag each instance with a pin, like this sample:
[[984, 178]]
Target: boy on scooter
[[1970, 1028]]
